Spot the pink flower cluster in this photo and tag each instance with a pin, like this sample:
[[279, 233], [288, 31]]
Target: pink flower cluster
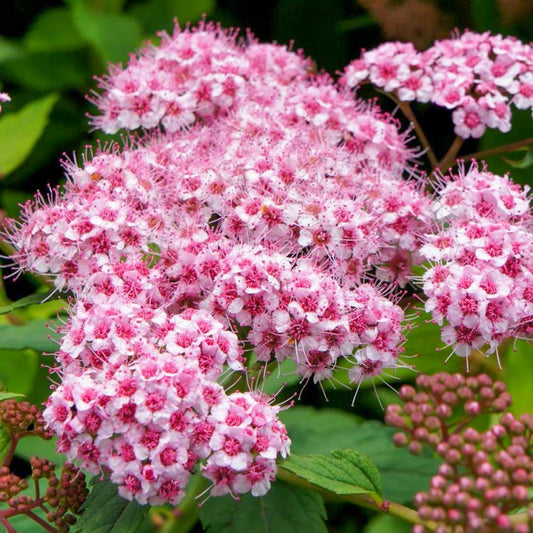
[[146, 408], [261, 206], [481, 281], [253, 211], [478, 76]]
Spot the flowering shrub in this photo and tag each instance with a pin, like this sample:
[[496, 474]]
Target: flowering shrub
[[263, 218]]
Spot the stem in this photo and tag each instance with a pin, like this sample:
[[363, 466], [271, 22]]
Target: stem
[[499, 149], [12, 446], [375, 503], [408, 112], [7, 525], [41, 522], [450, 158]]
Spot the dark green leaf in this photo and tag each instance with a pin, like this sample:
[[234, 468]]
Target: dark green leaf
[[521, 129], [284, 509], [53, 30], [525, 161], [113, 36], [107, 512], [10, 199], [356, 23], [157, 15], [8, 50], [19, 132], [485, 15], [342, 472], [35, 335], [48, 71], [33, 299], [66, 128], [319, 432], [312, 25]]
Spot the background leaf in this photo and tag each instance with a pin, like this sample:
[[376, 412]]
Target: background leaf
[[35, 335], [47, 71], [5, 441], [285, 509], [32, 299], [19, 369], [156, 15], [107, 512], [19, 132], [383, 523], [4, 395], [53, 30], [114, 36]]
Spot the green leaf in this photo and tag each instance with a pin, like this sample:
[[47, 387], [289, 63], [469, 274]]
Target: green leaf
[[53, 30], [314, 431], [8, 49], [516, 368], [48, 71], [525, 161], [107, 512], [319, 432], [18, 370], [19, 132], [33, 299], [384, 523], [281, 377], [284, 509], [157, 15], [113, 36], [8, 395], [34, 336], [356, 23], [5, 441], [342, 472]]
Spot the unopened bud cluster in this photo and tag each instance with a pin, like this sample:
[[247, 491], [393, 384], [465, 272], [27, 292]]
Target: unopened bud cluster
[[64, 494], [23, 418], [486, 476]]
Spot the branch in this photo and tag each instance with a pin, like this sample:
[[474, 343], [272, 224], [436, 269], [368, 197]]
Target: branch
[[449, 160], [408, 112], [499, 149]]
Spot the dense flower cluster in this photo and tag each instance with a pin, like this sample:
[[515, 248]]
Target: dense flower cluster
[[243, 227], [486, 476], [254, 216], [481, 281], [478, 76]]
